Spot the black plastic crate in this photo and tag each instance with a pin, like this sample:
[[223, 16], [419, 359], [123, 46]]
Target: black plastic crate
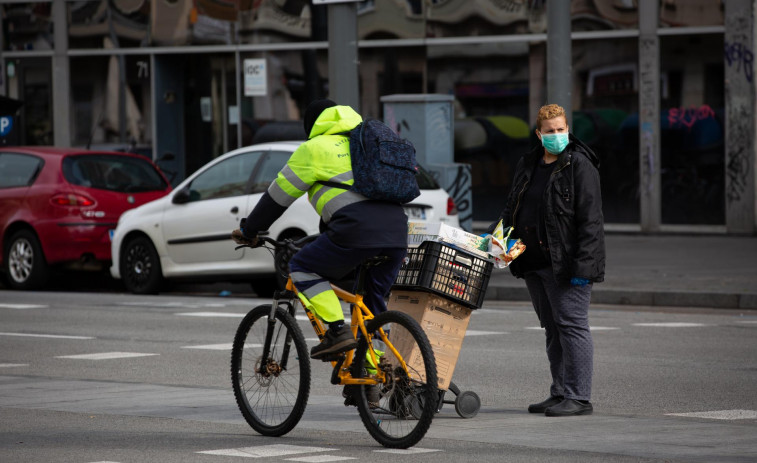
[[443, 269]]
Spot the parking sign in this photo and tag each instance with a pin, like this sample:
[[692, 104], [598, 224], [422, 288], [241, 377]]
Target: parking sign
[[6, 125]]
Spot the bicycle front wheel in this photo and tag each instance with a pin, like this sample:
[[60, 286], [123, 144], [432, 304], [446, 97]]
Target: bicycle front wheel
[[271, 391], [398, 412]]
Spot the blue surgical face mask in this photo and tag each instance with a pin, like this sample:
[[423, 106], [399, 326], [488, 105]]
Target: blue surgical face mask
[[554, 143]]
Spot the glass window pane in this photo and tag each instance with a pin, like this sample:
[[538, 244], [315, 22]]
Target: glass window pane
[[116, 23], [604, 15], [114, 173], [465, 18], [111, 103], [27, 26], [382, 19], [692, 13], [692, 129], [227, 178], [606, 117], [272, 163], [18, 169]]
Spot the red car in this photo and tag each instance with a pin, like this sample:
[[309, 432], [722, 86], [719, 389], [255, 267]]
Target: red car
[[59, 206]]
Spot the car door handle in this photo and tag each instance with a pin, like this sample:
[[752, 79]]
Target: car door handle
[[234, 210]]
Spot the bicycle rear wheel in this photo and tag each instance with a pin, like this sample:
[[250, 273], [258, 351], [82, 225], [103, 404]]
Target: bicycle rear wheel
[[406, 402], [271, 392]]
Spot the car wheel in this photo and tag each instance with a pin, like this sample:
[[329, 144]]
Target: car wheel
[[140, 266], [25, 264]]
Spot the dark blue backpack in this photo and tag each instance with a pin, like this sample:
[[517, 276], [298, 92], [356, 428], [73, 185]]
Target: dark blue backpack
[[383, 164]]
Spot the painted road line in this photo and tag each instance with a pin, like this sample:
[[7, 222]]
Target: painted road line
[[211, 314], [670, 325], [226, 346], [410, 451], [276, 450], [105, 356], [748, 321], [320, 458], [482, 333], [11, 365], [721, 415], [23, 306], [592, 328], [51, 336]]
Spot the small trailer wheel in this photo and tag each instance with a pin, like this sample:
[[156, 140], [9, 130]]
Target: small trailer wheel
[[467, 404]]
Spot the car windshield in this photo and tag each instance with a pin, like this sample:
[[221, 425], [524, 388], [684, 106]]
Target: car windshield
[[425, 180], [123, 174]]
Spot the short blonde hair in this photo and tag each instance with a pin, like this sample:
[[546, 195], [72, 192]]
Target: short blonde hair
[[549, 111]]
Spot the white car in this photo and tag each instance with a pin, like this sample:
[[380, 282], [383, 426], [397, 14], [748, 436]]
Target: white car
[[186, 234]]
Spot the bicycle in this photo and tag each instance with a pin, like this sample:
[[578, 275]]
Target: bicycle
[[270, 363]]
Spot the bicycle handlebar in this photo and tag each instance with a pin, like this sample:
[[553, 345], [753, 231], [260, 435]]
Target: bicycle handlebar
[[286, 243]]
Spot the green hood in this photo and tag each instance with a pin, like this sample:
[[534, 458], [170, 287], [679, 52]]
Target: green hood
[[336, 119]]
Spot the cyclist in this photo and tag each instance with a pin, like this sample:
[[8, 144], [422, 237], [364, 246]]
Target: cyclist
[[353, 228]]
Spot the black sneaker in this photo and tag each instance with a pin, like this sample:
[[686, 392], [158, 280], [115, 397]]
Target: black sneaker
[[334, 343], [372, 393]]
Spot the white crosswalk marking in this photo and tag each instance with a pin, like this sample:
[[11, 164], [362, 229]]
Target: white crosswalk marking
[[11, 365], [721, 415], [276, 450], [22, 306], [51, 336], [410, 451], [670, 324], [211, 314], [105, 356], [320, 458], [592, 328], [482, 333], [226, 346]]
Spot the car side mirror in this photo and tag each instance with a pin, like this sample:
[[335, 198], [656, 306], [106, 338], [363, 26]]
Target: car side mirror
[[182, 196]]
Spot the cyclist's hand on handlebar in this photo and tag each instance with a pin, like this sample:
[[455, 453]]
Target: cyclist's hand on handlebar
[[239, 238]]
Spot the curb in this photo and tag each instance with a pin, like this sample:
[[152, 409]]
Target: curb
[[641, 298]]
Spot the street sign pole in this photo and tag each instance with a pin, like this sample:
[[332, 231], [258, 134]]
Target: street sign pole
[[343, 55]]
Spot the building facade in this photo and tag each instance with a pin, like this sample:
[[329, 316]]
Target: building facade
[[663, 90]]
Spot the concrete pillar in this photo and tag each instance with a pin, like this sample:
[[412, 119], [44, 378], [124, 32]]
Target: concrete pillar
[[61, 77], [559, 57], [343, 60], [740, 155], [649, 116], [428, 122]]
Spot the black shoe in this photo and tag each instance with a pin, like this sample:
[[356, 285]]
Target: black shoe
[[570, 407], [543, 405], [334, 343], [372, 393]]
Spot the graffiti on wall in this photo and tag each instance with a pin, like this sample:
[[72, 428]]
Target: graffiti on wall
[[739, 61], [739, 56], [687, 117], [648, 102]]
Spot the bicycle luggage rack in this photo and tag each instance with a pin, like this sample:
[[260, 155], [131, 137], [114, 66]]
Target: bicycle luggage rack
[[459, 276]]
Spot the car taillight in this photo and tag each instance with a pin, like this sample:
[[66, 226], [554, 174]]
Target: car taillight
[[451, 208], [71, 200]]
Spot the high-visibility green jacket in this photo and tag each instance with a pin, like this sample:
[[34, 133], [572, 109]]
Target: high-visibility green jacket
[[325, 157]]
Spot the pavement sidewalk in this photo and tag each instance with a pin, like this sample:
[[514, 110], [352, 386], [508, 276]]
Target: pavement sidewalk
[[664, 270]]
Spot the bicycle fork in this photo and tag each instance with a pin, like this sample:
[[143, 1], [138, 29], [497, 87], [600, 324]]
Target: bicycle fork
[[271, 327]]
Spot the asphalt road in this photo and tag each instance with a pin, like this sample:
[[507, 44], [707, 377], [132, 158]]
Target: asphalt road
[[94, 377]]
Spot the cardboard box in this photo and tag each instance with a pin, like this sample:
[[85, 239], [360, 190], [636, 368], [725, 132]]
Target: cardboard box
[[445, 324], [418, 232]]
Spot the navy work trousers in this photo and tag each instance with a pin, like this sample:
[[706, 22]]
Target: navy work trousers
[[333, 262]]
